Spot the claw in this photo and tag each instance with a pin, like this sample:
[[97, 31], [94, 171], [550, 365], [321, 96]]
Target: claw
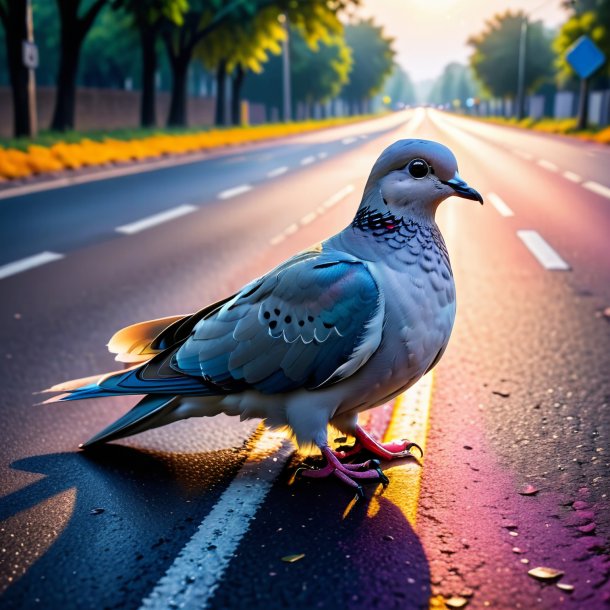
[[411, 445], [376, 465]]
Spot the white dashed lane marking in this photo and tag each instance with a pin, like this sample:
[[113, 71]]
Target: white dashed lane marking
[[30, 262], [322, 155], [307, 160], [500, 205], [596, 187], [350, 140], [235, 191], [156, 219], [543, 252], [524, 155], [572, 177], [278, 171], [548, 165], [311, 216], [308, 218]]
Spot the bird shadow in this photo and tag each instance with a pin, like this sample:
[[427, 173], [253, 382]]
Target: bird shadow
[[133, 511]]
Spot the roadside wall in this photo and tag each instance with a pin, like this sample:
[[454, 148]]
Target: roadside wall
[[105, 109]]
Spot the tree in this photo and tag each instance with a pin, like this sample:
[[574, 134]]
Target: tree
[[399, 87], [76, 18], [13, 18], [318, 74], [591, 18], [455, 83], [204, 16], [149, 16], [496, 54], [373, 61], [240, 46]]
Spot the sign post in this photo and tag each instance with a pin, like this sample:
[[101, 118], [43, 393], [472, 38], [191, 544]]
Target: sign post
[[586, 58], [29, 57]]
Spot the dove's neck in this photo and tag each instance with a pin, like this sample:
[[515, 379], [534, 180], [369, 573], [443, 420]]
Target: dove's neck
[[380, 235]]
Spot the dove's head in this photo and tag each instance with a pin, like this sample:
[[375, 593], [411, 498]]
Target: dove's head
[[412, 177]]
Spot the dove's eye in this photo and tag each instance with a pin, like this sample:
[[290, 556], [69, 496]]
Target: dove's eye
[[418, 168]]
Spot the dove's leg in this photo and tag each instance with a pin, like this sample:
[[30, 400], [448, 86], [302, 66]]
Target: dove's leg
[[386, 451], [350, 474]]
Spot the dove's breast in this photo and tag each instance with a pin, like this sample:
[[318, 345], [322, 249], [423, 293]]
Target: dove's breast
[[419, 294]]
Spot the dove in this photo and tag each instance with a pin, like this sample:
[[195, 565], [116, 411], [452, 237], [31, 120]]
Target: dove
[[337, 329]]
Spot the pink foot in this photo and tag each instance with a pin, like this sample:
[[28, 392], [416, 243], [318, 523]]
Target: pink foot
[[347, 473], [386, 451]]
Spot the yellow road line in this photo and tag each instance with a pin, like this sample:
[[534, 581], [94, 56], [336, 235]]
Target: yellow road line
[[410, 419]]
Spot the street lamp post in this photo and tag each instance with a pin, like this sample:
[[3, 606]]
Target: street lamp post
[[286, 92]]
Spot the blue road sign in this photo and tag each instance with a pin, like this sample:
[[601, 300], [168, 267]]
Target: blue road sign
[[585, 57]]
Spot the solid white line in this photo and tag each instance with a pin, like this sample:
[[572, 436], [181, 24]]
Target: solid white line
[[548, 165], [338, 196], [190, 582], [500, 205], [28, 263], [572, 176], [545, 255], [156, 219], [290, 230], [322, 155], [349, 140], [308, 218], [278, 171], [597, 188], [233, 192], [524, 155], [307, 160]]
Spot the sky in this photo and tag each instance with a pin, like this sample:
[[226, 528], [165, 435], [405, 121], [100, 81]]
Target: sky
[[431, 33]]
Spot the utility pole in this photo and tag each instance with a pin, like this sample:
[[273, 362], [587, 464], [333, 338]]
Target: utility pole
[[521, 69], [30, 61], [287, 96]]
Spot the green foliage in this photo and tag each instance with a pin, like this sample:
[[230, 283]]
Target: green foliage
[[591, 18], [496, 54], [373, 57], [247, 43], [318, 74], [457, 82]]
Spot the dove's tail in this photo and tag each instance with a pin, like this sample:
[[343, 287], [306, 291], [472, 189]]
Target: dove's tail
[[164, 388]]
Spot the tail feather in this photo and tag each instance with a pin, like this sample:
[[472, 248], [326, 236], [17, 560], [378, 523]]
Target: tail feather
[[151, 412]]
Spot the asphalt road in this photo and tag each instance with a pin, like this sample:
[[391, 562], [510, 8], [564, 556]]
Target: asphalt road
[[520, 398]]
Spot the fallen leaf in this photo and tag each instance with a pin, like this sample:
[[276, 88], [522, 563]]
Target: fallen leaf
[[547, 574], [96, 511], [388, 537], [529, 490], [456, 602], [517, 550], [501, 394], [564, 586], [587, 529], [293, 558]]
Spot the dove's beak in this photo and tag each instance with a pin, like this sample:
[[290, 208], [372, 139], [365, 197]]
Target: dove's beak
[[462, 189]]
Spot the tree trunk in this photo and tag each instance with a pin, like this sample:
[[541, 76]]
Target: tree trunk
[[236, 85], [15, 32], [73, 31], [221, 78], [148, 111], [65, 101], [177, 109]]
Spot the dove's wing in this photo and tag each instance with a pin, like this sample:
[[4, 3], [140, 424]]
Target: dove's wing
[[309, 323]]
